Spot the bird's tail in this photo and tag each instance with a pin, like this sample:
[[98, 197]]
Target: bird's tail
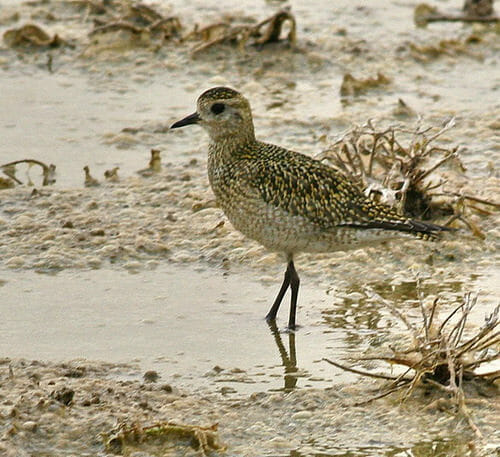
[[423, 230]]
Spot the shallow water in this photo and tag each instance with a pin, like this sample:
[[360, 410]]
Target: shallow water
[[203, 328], [64, 120], [179, 322]]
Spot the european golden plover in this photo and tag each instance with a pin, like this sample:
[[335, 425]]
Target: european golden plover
[[285, 200]]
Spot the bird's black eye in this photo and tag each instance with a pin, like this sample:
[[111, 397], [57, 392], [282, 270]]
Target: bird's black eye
[[217, 108]]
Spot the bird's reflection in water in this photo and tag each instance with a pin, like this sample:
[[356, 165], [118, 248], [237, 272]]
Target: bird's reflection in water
[[288, 358]]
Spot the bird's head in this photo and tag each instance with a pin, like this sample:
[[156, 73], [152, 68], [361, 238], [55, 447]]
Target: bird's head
[[223, 112]]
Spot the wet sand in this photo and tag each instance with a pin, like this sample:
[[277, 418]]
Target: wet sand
[[314, 421], [101, 285]]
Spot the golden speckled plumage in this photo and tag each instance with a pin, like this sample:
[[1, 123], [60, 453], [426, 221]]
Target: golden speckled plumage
[[285, 200]]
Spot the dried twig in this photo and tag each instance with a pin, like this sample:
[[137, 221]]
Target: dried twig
[[361, 372], [382, 395], [440, 353]]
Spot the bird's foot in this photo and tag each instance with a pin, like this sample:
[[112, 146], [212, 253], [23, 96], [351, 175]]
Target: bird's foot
[[291, 329], [274, 327]]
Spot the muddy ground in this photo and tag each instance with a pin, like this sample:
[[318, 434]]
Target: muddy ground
[[62, 409], [113, 272]]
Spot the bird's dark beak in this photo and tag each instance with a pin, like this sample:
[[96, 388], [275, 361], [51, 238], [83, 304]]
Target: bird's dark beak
[[191, 119]]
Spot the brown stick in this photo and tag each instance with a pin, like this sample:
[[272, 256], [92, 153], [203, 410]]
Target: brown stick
[[378, 397], [119, 25], [436, 166], [449, 18], [360, 372]]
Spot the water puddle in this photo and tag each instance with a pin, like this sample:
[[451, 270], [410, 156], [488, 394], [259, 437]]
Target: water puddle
[[197, 328], [73, 121]]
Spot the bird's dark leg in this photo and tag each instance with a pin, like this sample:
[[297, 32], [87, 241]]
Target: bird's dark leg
[[294, 285], [271, 315], [291, 279]]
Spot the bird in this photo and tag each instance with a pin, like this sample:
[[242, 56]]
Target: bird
[[285, 200]]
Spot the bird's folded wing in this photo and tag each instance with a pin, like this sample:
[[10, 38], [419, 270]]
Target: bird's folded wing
[[308, 188]]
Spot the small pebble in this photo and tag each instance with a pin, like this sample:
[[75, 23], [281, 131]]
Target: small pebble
[[151, 376], [15, 262], [302, 415], [31, 426], [64, 395]]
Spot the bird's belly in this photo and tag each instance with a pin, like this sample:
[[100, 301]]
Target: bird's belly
[[281, 231]]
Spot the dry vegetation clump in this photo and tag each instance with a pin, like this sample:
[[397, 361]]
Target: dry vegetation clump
[[138, 19], [400, 167], [444, 352], [10, 171], [447, 47], [125, 23], [31, 35], [354, 86], [264, 32], [89, 181], [473, 11], [154, 165], [125, 440]]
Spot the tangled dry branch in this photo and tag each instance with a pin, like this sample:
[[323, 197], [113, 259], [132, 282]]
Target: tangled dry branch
[[443, 353], [267, 31], [400, 167], [10, 170]]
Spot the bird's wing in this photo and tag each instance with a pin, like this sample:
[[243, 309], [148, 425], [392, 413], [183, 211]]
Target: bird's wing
[[303, 186]]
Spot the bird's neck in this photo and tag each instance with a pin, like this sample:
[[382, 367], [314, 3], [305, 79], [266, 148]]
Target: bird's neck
[[227, 146]]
